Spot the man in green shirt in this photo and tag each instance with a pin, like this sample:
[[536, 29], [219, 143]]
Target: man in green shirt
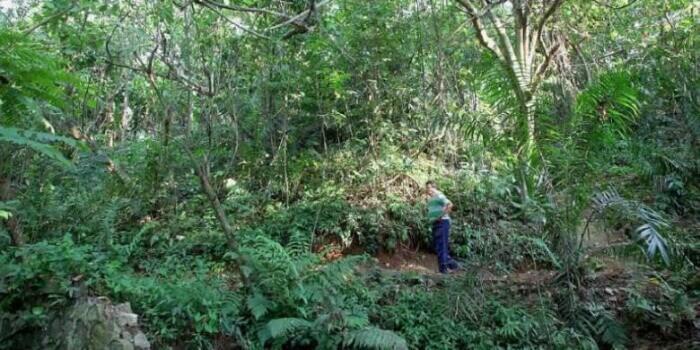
[[439, 208]]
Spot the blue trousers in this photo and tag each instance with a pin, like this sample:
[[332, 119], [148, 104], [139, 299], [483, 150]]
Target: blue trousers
[[441, 237]]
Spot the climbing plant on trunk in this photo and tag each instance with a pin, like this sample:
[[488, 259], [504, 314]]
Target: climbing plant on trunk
[[517, 42]]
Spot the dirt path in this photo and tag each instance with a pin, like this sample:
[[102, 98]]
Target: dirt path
[[406, 260], [424, 263]]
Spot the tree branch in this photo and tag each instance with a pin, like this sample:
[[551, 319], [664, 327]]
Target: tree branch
[[542, 68], [537, 30], [295, 19], [505, 43], [237, 25], [210, 3], [481, 34], [50, 18]]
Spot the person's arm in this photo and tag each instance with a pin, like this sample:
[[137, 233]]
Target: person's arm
[[448, 207]]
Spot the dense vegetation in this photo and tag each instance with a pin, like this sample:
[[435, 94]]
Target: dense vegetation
[[246, 173]]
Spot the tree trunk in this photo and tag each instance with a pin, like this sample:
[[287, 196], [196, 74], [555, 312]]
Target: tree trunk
[[126, 117], [109, 122], [202, 171], [516, 52], [526, 147], [12, 224]]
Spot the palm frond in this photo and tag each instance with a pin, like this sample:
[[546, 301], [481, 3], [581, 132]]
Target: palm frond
[[611, 100], [654, 241], [650, 222]]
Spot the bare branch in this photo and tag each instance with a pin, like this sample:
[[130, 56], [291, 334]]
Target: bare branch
[[237, 25], [537, 30], [295, 19], [505, 43], [481, 34], [174, 75], [542, 68], [50, 18], [631, 2], [210, 3]]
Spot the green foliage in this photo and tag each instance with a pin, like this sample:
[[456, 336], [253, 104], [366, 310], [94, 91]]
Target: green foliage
[[651, 221], [32, 85], [6, 209], [658, 305], [596, 321], [467, 315], [362, 338], [177, 304], [283, 327], [611, 100], [39, 141], [29, 78], [373, 338], [318, 141], [37, 280], [302, 301]]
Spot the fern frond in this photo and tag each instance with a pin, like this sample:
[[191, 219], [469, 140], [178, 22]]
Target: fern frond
[[6, 208], [375, 338], [299, 243], [282, 327], [258, 305], [611, 331], [34, 76], [595, 321], [39, 142]]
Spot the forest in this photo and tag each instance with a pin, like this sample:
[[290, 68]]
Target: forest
[[264, 174]]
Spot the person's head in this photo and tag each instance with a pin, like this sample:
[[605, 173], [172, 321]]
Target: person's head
[[431, 187]]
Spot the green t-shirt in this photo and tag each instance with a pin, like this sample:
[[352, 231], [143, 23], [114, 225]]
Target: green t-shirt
[[436, 207]]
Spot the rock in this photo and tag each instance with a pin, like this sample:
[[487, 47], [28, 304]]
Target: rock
[[95, 324], [140, 341], [127, 320]]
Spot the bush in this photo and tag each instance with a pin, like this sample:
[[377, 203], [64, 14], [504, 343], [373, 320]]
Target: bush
[[38, 280]]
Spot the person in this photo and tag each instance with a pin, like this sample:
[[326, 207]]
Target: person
[[439, 208]]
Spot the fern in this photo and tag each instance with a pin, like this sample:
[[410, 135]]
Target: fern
[[593, 319], [299, 243], [31, 81], [259, 305], [375, 338], [282, 327], [611, 331], [32, 76], [6, 208], [541, 245], [39, 142]]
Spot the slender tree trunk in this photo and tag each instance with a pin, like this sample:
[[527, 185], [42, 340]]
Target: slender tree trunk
[[526, 147], [517, 53], [109, 122], [202, 171], [12, 224], [126, 117]]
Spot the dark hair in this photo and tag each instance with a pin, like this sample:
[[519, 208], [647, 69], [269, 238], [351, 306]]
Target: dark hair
[[431, 183]]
